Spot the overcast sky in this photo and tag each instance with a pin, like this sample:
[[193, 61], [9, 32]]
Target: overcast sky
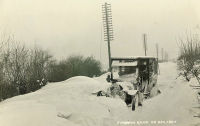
[[66, 27]]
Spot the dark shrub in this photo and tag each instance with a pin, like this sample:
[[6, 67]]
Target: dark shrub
[[74, 66]]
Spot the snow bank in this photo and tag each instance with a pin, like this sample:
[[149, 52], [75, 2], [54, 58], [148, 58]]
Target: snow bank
[[194, 85], [65, 103]]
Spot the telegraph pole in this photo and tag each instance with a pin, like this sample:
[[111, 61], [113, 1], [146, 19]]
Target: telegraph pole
[[157, 48], [108, 28], [145, 43], [162, 52], [166, 56]]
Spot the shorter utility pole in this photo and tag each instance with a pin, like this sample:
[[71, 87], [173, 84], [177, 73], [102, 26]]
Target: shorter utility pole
[[166, 56], [145, 44], [162, 53], [157, 48]]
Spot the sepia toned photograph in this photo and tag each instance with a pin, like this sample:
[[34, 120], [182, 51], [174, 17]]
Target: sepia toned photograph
[[99, 62]]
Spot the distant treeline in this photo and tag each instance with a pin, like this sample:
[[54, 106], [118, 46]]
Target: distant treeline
[[24, 70]]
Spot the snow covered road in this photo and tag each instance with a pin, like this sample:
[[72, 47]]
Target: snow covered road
[[71, 103], [175, 103]]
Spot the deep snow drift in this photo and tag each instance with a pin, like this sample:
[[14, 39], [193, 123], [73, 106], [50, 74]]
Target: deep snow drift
[[71, 103], [66, 103]]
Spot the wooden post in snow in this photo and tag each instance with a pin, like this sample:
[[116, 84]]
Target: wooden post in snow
[[145, 44]]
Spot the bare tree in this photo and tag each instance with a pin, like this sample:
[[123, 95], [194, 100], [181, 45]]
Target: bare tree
[[22, 70], [189, 57]]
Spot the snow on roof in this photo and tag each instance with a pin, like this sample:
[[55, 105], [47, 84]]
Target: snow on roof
[[124, 64], [134, 57]]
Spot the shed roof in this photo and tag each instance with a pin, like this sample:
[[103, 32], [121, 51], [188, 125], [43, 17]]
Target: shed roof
[[124, 64], [132, 57]]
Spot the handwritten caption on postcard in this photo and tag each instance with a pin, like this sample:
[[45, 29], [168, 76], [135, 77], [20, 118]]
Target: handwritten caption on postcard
[[146, 122]]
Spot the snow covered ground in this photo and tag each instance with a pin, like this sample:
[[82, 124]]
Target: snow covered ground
[[71, 103], [175, 103]]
